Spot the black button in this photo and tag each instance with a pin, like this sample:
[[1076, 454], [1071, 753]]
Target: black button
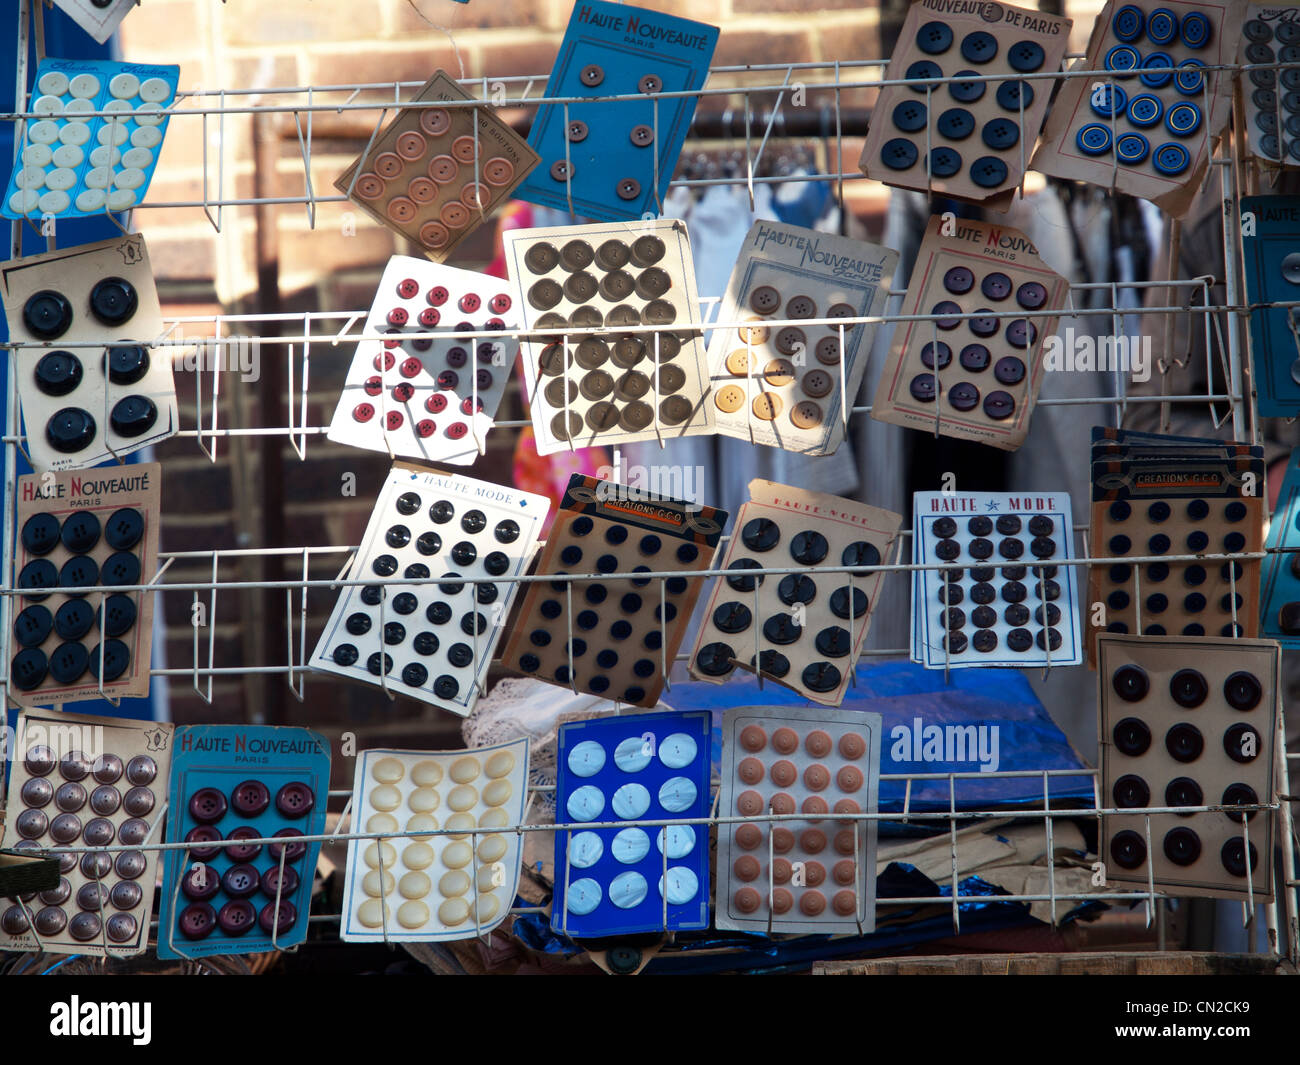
[[29, 668], [834, 642], [1026, 56], [979, 47], [1236, 739], [70, 430], [955, 642], [899, 154], [1185, 743], [922, 70], [1240, 795], [1127, 849], [840, 602], [1183, 791], [796, 588], [1014, 592], [1131, 791], [47, 314], [715, 659], [809, 548], [1233, 856], [1001, 134], [944, 162], [1182, 846], [119, 614], [1242, 691], [934, 38], [429, 543], [133, 416], [910, 116], [58, 373], [821, 677], [79, 571], [123, 529], [38, 574], [956, 124], [81, 532], [966, 92], [1012, 94], [771, 662], [120, 568], [760, 534], [113, 300], [405, 603], [945, 528], [117, 657], [1131, 684], [781, 629], [460, 655], [414, 675], [40, 533], [407, 503], [127, 363], [345, 654], [33, 625]]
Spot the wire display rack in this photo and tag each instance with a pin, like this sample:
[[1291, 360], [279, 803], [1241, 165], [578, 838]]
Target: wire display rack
[[767, 101]]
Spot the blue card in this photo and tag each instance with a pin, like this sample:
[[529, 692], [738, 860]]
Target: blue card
[[1279, 598], [241, 782], [644, 877], [1270, 241], [612, 159]]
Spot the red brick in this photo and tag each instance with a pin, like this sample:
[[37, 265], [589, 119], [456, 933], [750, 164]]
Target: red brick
[[170, 28], [259, 23], [417, 63], [187, 257], [272, 71], [533, 59], [854, 40], [748, 7], [755, 48], [492, 14]]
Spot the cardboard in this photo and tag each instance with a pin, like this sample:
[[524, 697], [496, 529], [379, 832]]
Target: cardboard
[[98, 530], [786, 873], [430, 177], [99, 19], [1005, 275], [434, 399], [781, 381], [459, 881], [1009, 549], [61, 173], [79, 780], [641, 877], [613, 638], [261, 782], [1271, 255], [924, 133], [609, 158], [621, 386], [438, 556], [1279, 600], [792, 628], [140, 387], [1060, 154], [1149, 759], [1271, 94]]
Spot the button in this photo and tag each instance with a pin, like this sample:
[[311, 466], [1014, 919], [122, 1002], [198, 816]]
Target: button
[[1025, 57], [1195, 30], [964, 396], [650, 83], [899, 154], [642, 136], [1093, 139], [1015, 95], [1127, 25], [979, 47], [113, 300], [1190, 80], [34, 624], [295, 799], [1022, 333], [1162, 25], [250, 798], [923, 387], [39, 573], [1001, 134], [1162, 74], [934, 38], [47, 314], [133, 416], [922, 70], [1122, 59], [1132, 148], [956, 123], [628, 189], [944, 162], [1171, 159], [40, 533], [988, 172], [58, 373], [966, 91], [1183, 119], [1108, 100], [1145, 110], [909, 116]]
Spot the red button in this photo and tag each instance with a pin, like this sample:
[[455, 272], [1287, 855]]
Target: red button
[[197, 921], [373, 386], [386, 361], [363, 412], [494, 323], [437, 296], [272, 881], [240, 881], [236, 917], [500, 303], [425, 427], [436, 403], [410, 367], [457, 430], [250, 798], [203, 834], [293, 851], [395, 342], [398, 316], [200, 882], [208, 805], [468, 407], [429, 317], [244, 852], [403, 392], [408, 288], [469, 303], [394, 420], [295, 799], [278, 926]]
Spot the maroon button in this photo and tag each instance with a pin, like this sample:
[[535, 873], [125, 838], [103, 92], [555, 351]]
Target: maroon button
[[37, 792], [426, 427], [273, 881], [244, 852], [429, 317], [484, 380], [105, 800], [107, 768], [964, 396], [448, 379], [392, 342], [39, 760], [410, 367], [1031, 295], [57, 896], [141, 770], [70, 797], [436, 403], [14, 921], [138, 802], [200, 882], [122, 927], [207, 806], [403, 392], [457, 430], [385, 361], [959, 280], [51, 921], [130, 864], [393, 421], [91, 897], [203, 834], [975, 358], [240, 881], [436, 296], [287, 917], [74, 766], [197, 920], [467, 405], [236, 917], [999, 405], [1021, 333], [295, 799], [31, 824], [293, 851], [67, 863], [84, 927], [398, 316], [470, 302], [928, 355], [923, 387], [407, 288], [96, 866], [363, 412], [133, 832], [250, 798], [126, 895], [65, 828]]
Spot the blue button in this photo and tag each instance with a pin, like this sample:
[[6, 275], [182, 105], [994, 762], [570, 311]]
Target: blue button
[[1145, 110], [1012, 95], [1026, 56], [920, 70], [899, 154], [1171, 159], [1162, 25], [1288, 32], [944, 162], [910, 116], [1001, 134], [1190, 79], [1195, 30], [1267, 121], [979, 47], [1093, 139], [934, 38], [1122, 58], [1158, 78], [966, 92], [988, 172], [1132, 148], [956, 124], [1108, 100], [1128, 23], [1182, 120]]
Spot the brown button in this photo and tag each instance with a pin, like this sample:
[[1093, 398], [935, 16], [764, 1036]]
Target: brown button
[[370, 186], [636, 416], [591, 76], [750, 770], [828, 351], [817, 778], [741, 362], [422, 189], [435, 121], [812, 903], [650, 83], [443, 168], [410, 145], [498, 171], [844, 840], [671, 379], [753, 738], [475, 195], [558, 427], [782, 901], [784, 773], [628, 189], [674, 410], [632, 385], [746, 867], [454, 215], [844, 903], [597, 385], [817, 743], [747, 901], [749, 803], [841, 310], [791, 340], [781, 871], [814, 873], [852, 746], [388, 164], [749, 836], [754, 334], [815, 804], [591, 353], [562, 170], [806, 415], [401, 209], [434, 235], [642, 136], [801, 307], [767, 406], [602, 417], [765, 299], [817, 383], [557, 389], [462, 149], [782, 803], [782, 840], [778, 373], [576, 131], [847, 806], [785, 740], [730, 399]]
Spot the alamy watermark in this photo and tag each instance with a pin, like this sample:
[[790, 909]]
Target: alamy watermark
[[638, 483], [227, 354], [1073, 352]]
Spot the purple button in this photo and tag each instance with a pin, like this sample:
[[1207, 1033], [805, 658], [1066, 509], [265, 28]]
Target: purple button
[[70, 797], [293, 851], [130, 864], [99, 832], [74, 766], [996, 286], [91, 897], [1021, 333], [1031, 295], [105, 800], [964, 396], [983, 324], [141, 770], [200, 882], [39, 760], [250, 798], [999, 405], [295, 799], [122, 927], [273, 881], [278, 921], [57, 896], [51, 921], [133, 832], [37, 792], [959, 280], [197, 920], [84, 927], [244, 852], [66, 828], [107, 769], [1009, 370], [928, 355], [67, 863], [31, 824], [923, 387], [951, 310], [240, 881], [13, 922], [95, 866], [207, 805], [138, 802], [202, 834], [236, 917], [126, 895], [975, 358]]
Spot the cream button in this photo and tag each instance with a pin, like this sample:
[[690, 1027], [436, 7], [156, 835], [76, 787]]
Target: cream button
[[91, 200], [417, 856], [585, 850], [386, 798], [586, 759], [385, 770], [372, 913], [117, 107], [678, 750], [422, 823], [113, 133], [585, 804], [423, 800], [30, 177], [68, 156], [83, 86], [583, 897], [461, 824], [630, 845], [500, 763], [381, 823], [98, 178], [633, 754], [105, 155], [377, 853], [453, 912], [121, 199], [457, 855], [415, 885], [426, 774], [494, 818], [413, 914], [154, 90], [487, 907], [78, 110], [378, 882], [149, 115], [677, 794], [123, 86], [53, 82], [453, 884], [498, 792], [77, 133], [493, 848], [627, 890], [37, 155], [631, 801], [486, 879], [54, 202], [463, 770], [462, 797], [48, 105], [43, 132], [24, 201]]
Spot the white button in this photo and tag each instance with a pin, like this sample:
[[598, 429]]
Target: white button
[[61, 179], [77, 133], [117, 107], [154, 90], [98, 178], [681, 841], [682, 886], [677, 795], [48, 105], [55, 202], [130, 178], [146, 137], [68, 155], [37, 155], [678, 750], [105, 156], [91, 200], [30, 177], [586, 759], [149, 115], [114, 133], [630, 846], [76, 109], [24, 201], [585, 850], [583, 897], [43, 132], [585, 804], [633, 754], [54, 82], [139, 158], [84, 86], [627, 890], [121, 199], [631, 801], [124, 86]]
